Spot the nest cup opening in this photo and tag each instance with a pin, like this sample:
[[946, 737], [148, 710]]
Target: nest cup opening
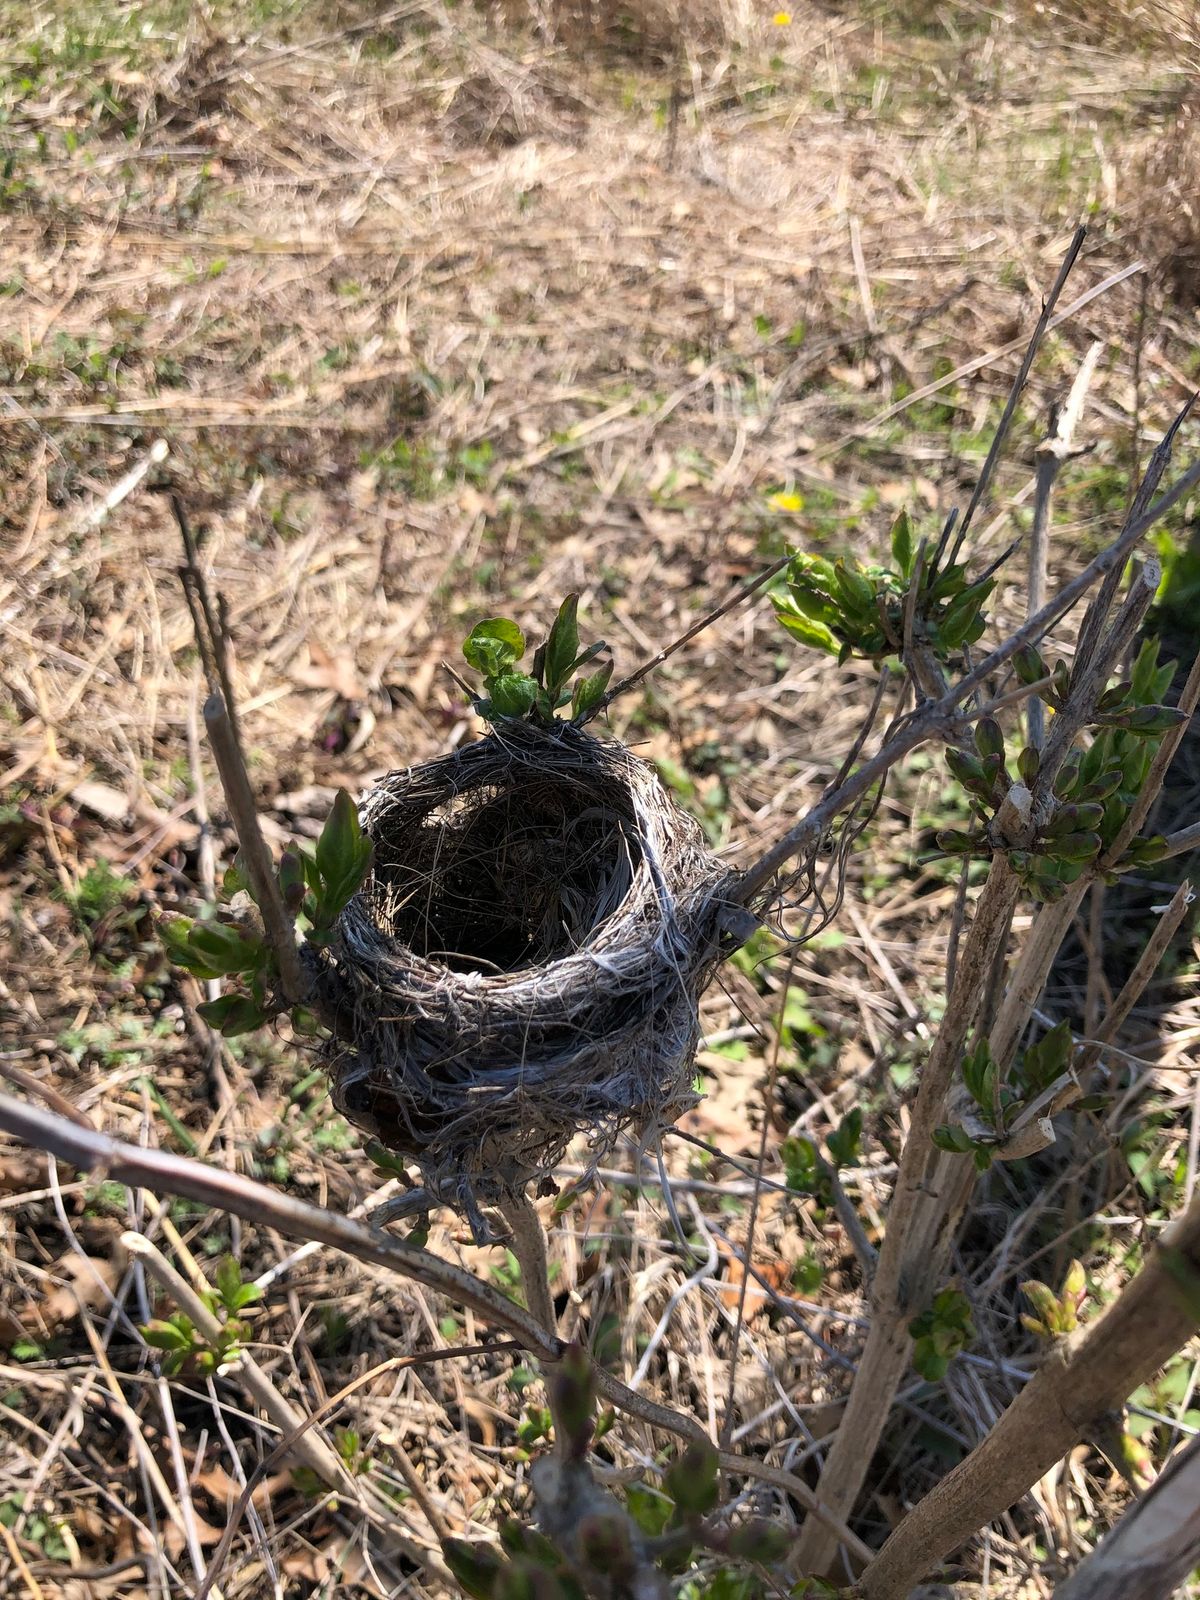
[[502, 877]]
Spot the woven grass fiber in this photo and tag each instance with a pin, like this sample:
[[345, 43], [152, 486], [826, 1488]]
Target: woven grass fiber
[[524, 963]]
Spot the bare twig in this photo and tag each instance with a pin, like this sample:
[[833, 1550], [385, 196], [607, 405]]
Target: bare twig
[[207, 623], [746, 592], [293, 1439], [277, 925], [1134, 986], [1052, 454], [1014, 394], [529, 1246]]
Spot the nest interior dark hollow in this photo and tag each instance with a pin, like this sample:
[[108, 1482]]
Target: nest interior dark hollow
[[525, 962]]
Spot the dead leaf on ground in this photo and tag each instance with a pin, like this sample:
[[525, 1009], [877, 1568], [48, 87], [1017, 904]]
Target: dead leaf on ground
[[770, 1277], [324, 671], [88, 1279]]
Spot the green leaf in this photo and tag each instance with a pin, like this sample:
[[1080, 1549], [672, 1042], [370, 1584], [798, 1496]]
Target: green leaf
[[235, 877], [989, 737], [338, 847], [168, 1335], [562, 647], [1028, 665], [843, 1142], [813, 634], [799, 1159], [512, 694], [493, 646], [475, 1566], [590, 691], [216, 950], [929, 1361], [291, 880], [902, 545], [810, 600], [1146, 722], [232, 1014], [234, 1293], [856, 592], [953, 1139], [691, 1481]]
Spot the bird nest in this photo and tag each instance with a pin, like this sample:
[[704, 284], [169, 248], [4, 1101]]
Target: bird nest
[[523, 965]]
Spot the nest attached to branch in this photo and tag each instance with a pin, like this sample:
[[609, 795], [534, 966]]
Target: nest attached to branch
[[524, 964]]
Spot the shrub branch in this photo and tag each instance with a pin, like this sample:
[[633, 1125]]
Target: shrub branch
[[1083, 1378]]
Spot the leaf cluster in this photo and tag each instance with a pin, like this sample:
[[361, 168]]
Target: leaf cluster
[[1056, 1314], [847, 609], [315, 883], [803, 1167], [495, 646], [182, 1344], [941, 1333], [1093, 791], [997, 1102]]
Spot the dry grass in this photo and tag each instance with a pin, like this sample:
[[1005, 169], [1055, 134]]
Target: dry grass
[[439, 320]]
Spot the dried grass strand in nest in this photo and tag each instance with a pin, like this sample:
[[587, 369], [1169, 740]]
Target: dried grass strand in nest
[[525, 962]]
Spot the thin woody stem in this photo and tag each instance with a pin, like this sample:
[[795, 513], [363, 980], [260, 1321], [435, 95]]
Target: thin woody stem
[[278, 926], [529, 1246], [745, 593]]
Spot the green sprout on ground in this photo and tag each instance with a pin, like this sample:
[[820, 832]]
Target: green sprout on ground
[[182, 1344], [493, 649]]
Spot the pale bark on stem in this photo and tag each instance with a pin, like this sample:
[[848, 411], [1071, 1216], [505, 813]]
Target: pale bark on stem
[[927, 1197], [528, 1244], [1182, 839], [278, 927], [1153, 1547], [1052, 453], [1084, 1377]]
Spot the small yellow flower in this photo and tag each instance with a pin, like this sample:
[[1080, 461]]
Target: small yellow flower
[[787, 502], [782, 18]]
